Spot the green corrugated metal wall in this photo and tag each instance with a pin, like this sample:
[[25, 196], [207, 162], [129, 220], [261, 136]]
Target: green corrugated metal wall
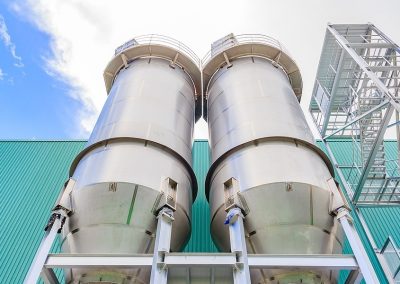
[[382, 221], [31, 176], [33, 172], [200, 240]]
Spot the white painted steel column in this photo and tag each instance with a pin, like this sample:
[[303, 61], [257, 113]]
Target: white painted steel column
[[48, 276], [44, 249], [354, 277], [241, 271], [360, 254], [159, 272]]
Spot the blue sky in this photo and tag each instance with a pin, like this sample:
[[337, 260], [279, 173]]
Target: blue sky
[[33, 104], [65, 45]]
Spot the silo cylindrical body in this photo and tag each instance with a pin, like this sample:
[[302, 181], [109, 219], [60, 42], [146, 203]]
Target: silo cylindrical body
[[264, 158], [138, 152]]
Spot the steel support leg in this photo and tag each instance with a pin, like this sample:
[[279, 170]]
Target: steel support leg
[[360, 254], [159, 273], [48, 276], [354, 277], [241, 273], [44, 249]]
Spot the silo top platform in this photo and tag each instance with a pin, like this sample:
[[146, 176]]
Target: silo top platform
[[245, 45], [161, 47]]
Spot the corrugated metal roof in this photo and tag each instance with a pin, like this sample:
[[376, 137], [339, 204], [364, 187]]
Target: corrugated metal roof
[[33, 172]]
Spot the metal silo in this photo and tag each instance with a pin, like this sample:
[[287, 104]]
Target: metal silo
[[264, 160], [137, 160]]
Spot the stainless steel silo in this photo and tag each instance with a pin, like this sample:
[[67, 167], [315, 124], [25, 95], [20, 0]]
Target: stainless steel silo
[[138, 156], [264, 158]]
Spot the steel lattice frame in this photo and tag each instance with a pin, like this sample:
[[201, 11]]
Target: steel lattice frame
[[355, 95], [209, 265]]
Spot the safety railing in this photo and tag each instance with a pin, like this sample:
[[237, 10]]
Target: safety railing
[[246, 39], [392, 256], [155, 39]]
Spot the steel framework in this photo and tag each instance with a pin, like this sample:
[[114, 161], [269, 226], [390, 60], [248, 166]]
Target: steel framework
[[355, 94], [196, 267]]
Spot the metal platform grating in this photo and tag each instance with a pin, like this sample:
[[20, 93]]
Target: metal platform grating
[[355, 94]]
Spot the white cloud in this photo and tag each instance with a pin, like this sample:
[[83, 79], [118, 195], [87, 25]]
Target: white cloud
[[84, 34], [6, 38], [2, 74]]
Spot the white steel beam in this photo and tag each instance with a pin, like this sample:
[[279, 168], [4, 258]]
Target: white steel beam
[[98, 261], [384, 68], [159, 273], [44, 249], [371, 45], [234, 219], [357, 246], [354, 277], [49, 277], [333, 262], [215, 260], [200, 260]]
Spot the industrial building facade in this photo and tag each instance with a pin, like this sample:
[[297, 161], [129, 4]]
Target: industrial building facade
[[274, 207], [34, 171]]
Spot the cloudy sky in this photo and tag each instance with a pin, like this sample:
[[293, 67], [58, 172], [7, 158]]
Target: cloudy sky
[[53, 52]]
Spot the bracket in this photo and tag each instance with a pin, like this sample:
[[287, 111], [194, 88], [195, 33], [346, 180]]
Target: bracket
[[228, 63]]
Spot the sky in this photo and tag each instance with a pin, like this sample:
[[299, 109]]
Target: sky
[[53, 52]]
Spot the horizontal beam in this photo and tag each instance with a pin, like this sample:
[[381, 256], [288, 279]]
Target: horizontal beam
[[384, 68], [196, 259], [380, 204], [333, 262], [371, 45], [98, 261]]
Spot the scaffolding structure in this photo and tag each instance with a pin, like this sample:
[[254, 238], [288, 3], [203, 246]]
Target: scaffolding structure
[[355, 94]]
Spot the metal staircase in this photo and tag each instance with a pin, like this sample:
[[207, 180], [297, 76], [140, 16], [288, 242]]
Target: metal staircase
[[355, 97], [369, 129]]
